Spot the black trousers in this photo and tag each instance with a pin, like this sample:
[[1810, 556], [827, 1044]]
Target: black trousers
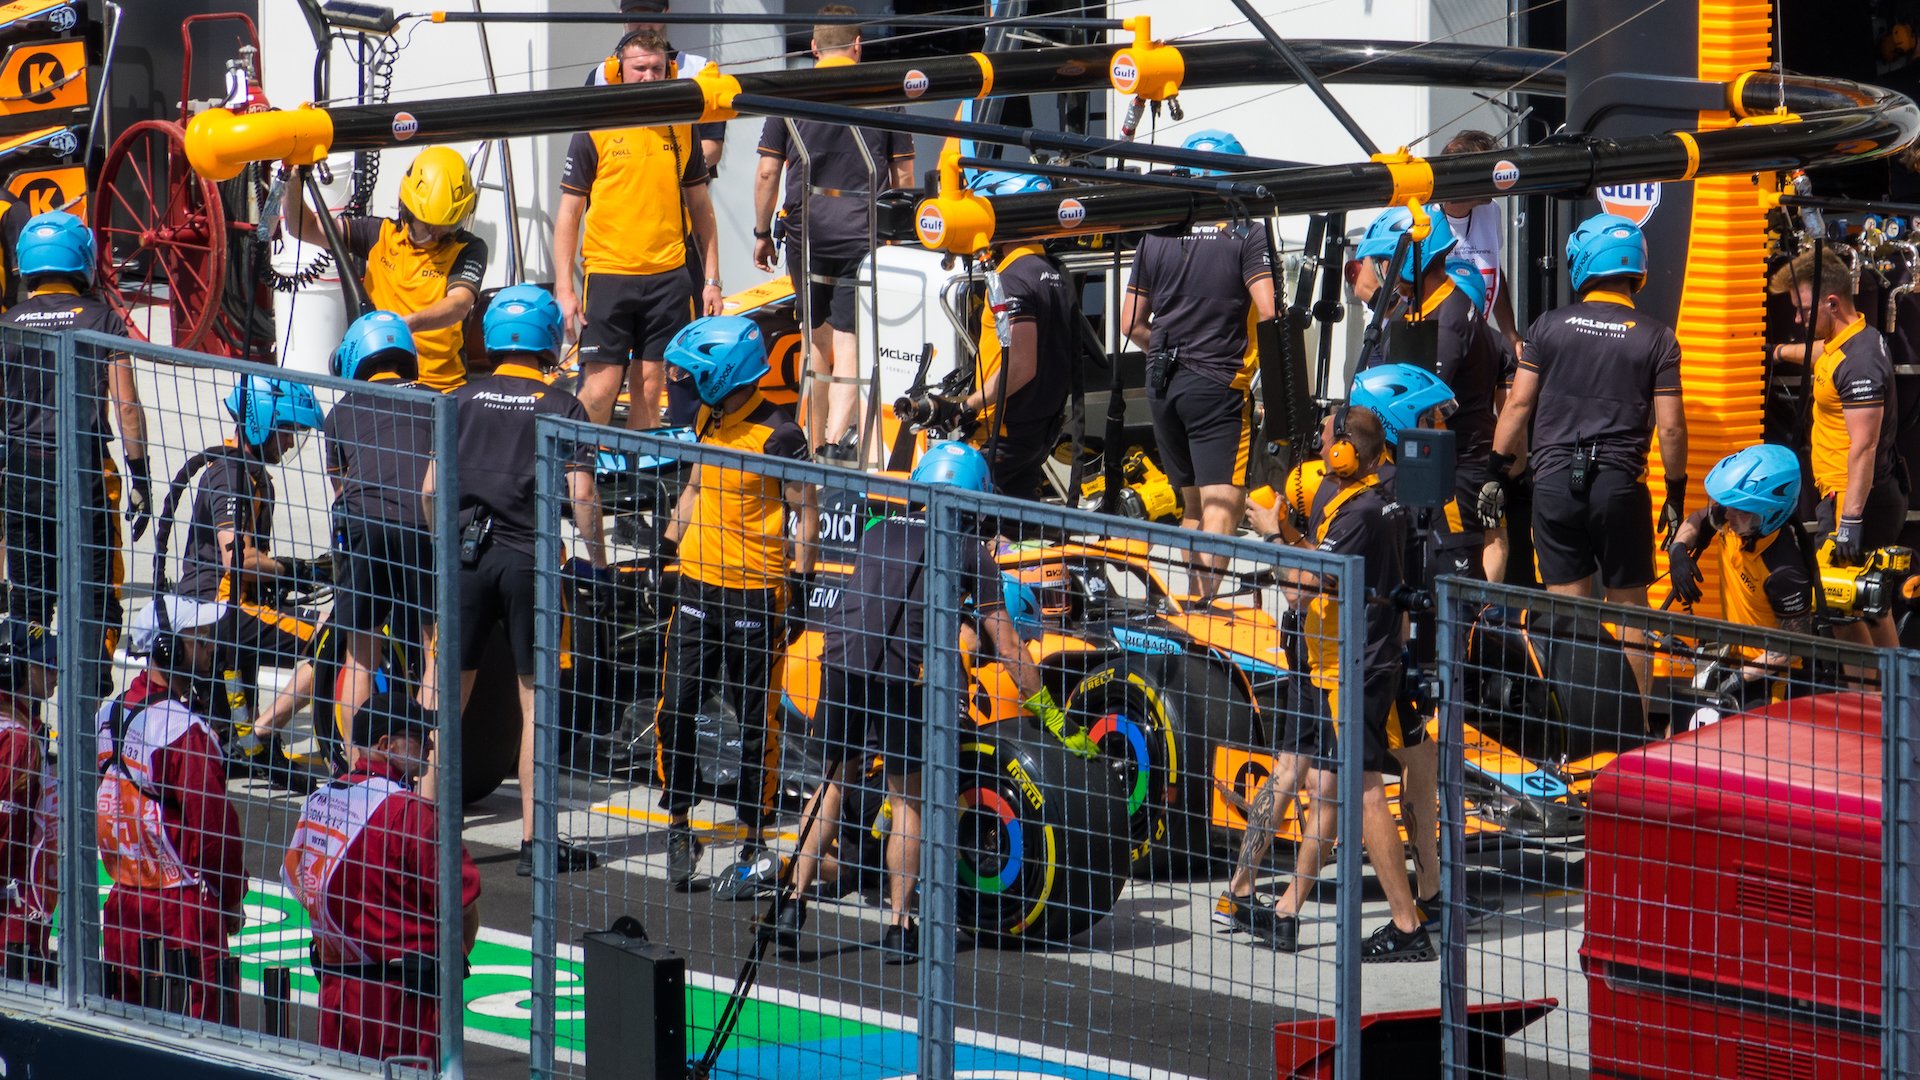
[[721, 643], [33, 497]]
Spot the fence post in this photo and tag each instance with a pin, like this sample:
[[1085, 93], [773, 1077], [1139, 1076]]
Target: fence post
[[546, 748], [1899, 681], [1450, 650], [450, 808], [79, 887], [940, 787], [1348, 1007]]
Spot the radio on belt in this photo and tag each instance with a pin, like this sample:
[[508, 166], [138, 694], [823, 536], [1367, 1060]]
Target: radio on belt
[[1424, 464]]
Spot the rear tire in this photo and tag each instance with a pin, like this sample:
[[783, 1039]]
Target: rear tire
[[1043, 840]]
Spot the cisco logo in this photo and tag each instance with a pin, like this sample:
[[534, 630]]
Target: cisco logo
[[1505, 175], [1071, 213], [1125, 73], [405, 126], [915, 83], [932, 226]]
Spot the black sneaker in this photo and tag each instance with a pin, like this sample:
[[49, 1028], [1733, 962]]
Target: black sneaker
[[1392, 945], [1281, 933], [683, 855], [749, 878], [1479, 908], [901, 944], [571, 858], [789, 916]]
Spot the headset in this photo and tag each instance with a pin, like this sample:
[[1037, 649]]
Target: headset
[[1342, 459], [610, 68]]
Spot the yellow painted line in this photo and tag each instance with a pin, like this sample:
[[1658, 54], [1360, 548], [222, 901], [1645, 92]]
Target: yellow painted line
[[728, 831]]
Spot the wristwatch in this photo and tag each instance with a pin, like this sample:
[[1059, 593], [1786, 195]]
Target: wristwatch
[[713, 283], [763, 234]]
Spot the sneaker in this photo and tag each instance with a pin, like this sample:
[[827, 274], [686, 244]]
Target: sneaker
[[683, 855], [749, 878], [1392, 945], [571, 858], [1234, 914], [1479, 907], [901, 943], [1256, 916], [789, 916]]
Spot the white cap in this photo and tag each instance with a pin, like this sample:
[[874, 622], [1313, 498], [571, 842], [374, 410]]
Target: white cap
[[182, 614]]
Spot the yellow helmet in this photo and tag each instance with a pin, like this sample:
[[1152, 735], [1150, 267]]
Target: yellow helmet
[[437, 189], [1302, 482]]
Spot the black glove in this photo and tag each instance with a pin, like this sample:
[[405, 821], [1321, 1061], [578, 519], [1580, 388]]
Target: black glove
[[596, 581], [1849, 546], [304, 574], [1492, 503], [139, 497], [1674, 510], [1685, 574], [799, 590]]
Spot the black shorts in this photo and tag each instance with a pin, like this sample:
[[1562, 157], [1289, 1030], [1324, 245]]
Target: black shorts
[[1882, 520], [1314, 730], [497, 590], [861, 713], [633, 316], [384, 579], [1608, 531], [1468, 478], [833, 302], [1205, 430], [1018, 462]]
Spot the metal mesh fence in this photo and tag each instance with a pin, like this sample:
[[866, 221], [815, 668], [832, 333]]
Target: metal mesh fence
[[795, 676], [239, 567], [1678, 826]]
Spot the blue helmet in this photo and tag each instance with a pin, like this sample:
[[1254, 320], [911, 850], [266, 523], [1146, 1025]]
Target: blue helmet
[[954, 464], [1008, 182], [1023, 606], [1763, 480], [1605, 245], [55, 242], [1469, 280], [1383, 236], [376, 337], [1400, 395], [522, 318], [720, 353], [1214, 141], [263, 405]]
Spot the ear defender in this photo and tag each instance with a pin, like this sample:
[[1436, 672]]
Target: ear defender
[[610, 69], [1342, 458]]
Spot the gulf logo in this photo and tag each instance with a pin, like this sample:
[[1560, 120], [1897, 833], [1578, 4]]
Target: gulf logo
[[1071, 213], [931, 224], [915, 83], [1125, 73], [405, 126], [1505, 175], [1635, 202]]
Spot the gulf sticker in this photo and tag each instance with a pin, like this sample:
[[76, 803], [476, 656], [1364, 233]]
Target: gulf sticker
[[931, 224], [915, 83], [1505, 175], [1125, 73], [1635, 202], [405, 126], [1071, 213]]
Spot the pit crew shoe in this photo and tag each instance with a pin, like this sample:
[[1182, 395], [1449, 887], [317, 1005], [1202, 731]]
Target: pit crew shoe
[[683, 855], [1480, 907], [1392, 945], [571, 858], [901, 944], [749, 878], [789, 917]]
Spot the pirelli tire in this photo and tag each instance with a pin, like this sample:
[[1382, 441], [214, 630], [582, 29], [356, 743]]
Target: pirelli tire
[[1043, 839], [1163, 716]]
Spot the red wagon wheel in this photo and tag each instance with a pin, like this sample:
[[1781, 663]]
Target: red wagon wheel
[[162, 234]]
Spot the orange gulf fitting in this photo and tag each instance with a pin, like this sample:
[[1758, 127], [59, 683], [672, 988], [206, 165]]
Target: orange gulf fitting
[[221, 143], [955, 219], [1147, 69]]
